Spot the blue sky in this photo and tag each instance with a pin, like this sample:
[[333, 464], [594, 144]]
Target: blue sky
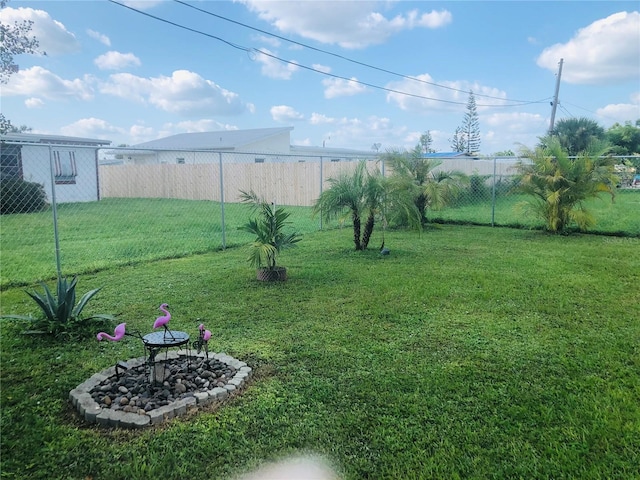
[[113, 73]]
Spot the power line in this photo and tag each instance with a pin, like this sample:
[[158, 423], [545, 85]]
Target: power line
[[289, 62], [342, 57]]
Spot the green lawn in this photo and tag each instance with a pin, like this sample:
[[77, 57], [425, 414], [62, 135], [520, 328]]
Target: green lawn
[[98, 235], [622, 216], [469, 352]]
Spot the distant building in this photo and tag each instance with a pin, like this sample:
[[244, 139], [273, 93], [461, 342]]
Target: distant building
[[443, 155], [72, 161], [236, 146]]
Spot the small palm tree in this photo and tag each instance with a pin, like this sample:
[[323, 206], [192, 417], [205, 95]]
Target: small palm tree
[[429, 188], [355, 194], [364, 196], [559, 185], [268, 227]]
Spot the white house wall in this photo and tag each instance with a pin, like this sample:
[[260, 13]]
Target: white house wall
[[36, 167]]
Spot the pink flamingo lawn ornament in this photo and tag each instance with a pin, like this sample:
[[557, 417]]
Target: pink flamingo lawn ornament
[[118, 334], [205, 335], [163, 320]]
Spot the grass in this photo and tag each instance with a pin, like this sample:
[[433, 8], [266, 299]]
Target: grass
[[619, 217], [469, 352], [98, 235]]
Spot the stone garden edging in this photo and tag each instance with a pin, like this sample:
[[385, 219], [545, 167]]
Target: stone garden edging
[[92, 412]]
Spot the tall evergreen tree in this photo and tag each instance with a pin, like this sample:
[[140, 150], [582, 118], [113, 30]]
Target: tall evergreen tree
[[471, 126], [425, 142], [458, 141]]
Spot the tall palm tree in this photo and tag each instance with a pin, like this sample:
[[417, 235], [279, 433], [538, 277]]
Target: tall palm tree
[[576, 134], [559, 185], [417, 175]]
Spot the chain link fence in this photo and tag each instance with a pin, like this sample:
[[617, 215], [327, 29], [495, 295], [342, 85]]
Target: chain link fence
[[70, 209]]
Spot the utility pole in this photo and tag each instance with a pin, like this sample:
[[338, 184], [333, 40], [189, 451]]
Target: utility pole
[[554, 104]]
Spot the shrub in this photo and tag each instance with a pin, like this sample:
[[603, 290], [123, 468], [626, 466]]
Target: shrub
[[558, 185], [20, 196]]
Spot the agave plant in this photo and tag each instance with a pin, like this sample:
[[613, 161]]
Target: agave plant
[[60, 313]]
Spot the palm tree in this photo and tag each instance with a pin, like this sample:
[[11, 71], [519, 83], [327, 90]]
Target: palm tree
[[428, 187], [268, 227], [559, 185], [576, 134], [363, 196]]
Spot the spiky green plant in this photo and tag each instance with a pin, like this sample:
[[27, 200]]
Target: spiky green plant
[[558, 185], [268, 227], [60, 313]]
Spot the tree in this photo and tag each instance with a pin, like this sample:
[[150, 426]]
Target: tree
[[358, 194], [559, 185], [14, 40], [426, 187], [7, 127], [577, 134], [471, 126], [457, 142], [504, 153], [624, 139], [425, 142]]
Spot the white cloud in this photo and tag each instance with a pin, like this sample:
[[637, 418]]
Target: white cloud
[[285, 113], [508, 131], [321, 68], [348, 24], [606, 51], [422, 96], [116, 61], [320, 119], [622, 112], [271, 41], [184, 93], [142, 4], [53, 36], [195, 126], [99, 37], [337, 87], [272, 67], [33, 102], [91, 128], [41, 82]]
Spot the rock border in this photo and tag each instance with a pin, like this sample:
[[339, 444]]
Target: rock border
[[93, 413]]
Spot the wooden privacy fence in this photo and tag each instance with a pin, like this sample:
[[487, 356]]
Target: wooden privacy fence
[[287, 183]]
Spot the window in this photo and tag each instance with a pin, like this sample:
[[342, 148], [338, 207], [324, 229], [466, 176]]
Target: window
[[259, 160], [10, 162], [65, 169], [180, 161]]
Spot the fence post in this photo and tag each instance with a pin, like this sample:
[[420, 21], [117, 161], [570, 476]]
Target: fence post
[[224, 238], [493, 194], [321, 181], [54, 211]]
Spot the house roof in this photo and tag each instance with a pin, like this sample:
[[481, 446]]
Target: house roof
[[337, 152], [448, 155], [222, 140], [52, 139]]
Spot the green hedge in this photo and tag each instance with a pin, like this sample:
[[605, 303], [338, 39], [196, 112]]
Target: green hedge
[[20, 196]]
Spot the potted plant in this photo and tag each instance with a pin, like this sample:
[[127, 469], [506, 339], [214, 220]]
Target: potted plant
[[268, 226]]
